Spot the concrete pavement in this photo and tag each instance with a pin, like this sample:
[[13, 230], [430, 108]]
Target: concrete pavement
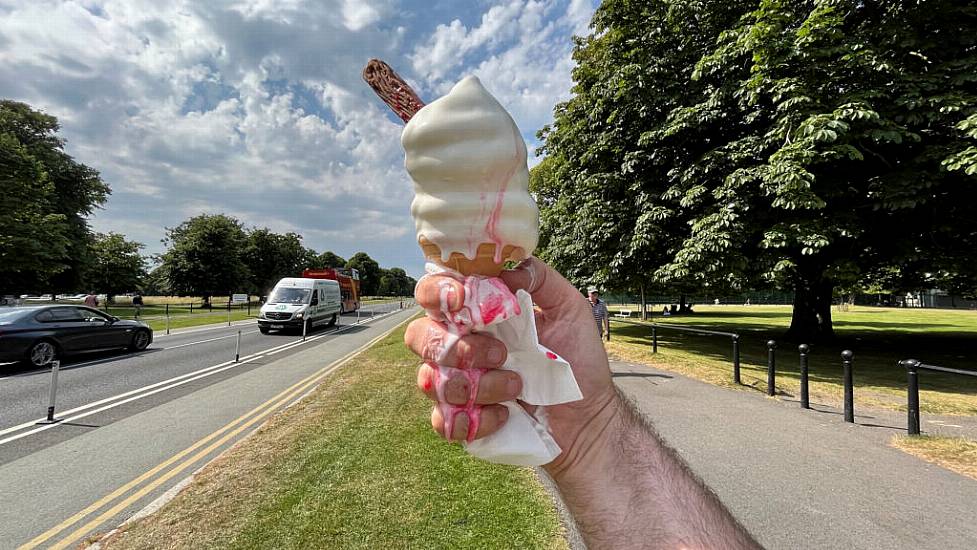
[[804, 479]]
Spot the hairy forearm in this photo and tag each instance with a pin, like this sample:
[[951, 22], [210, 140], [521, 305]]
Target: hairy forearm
[[626, 489]]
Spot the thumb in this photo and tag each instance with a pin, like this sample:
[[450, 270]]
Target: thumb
[[547, 287]]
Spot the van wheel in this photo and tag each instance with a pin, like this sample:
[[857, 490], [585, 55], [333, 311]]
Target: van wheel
[[264, 330], [332, 321]]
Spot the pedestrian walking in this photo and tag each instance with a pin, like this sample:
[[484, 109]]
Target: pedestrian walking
[[137, 303], [601, 317], [91, 300]]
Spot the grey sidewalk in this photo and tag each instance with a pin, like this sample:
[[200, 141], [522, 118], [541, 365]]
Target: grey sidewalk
[[804, 479]]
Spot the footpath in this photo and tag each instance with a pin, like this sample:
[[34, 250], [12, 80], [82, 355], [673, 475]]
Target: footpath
[[804, 479]]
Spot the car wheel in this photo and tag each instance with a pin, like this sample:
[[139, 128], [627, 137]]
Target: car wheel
[[42, 353], [264, 330], [140, 340]]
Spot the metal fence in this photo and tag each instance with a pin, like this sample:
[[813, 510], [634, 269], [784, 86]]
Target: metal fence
[[847, 359], [913, 367], [732, 335]]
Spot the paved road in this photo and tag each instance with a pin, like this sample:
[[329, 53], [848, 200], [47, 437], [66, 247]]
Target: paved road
[[97, 468], [804, 479], [173, 365]]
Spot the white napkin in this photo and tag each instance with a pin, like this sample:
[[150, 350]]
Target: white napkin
[[524, 440]]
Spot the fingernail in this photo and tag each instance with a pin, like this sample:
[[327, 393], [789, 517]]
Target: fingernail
[[513, 385], [496, 354]]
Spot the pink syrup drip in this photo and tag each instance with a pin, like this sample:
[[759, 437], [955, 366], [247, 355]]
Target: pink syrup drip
[[551, 355], [487, 299], [491, 225]]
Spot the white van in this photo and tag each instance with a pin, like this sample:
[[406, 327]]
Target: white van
[[295, 301]]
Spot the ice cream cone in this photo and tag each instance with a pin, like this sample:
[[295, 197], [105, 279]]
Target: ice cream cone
[[484, 263], [493, 208]]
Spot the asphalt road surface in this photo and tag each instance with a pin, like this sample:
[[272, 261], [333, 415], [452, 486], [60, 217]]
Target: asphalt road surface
[[134, 425]]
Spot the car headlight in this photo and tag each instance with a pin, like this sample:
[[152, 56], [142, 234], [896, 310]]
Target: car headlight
[[299, 315]]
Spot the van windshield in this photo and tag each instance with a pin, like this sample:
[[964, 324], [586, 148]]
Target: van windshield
[[289, 295]]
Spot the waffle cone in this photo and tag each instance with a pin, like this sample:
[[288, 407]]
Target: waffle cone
[[482, 264]]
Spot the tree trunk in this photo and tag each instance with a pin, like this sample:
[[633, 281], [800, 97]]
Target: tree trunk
[[644, 305], [811, 318]]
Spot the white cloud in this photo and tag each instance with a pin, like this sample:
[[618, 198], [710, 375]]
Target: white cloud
[[358, 14], [520, 51], [255, 108]]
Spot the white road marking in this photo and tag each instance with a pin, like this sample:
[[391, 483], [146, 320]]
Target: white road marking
[[124, 401], [207, 340]]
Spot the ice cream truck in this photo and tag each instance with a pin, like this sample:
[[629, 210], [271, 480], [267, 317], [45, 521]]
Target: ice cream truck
[[298, 301]]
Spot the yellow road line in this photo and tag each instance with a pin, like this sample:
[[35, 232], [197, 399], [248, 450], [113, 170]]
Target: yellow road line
[[269, 405]]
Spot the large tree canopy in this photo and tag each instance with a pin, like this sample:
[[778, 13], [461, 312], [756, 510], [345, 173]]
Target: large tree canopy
[[206, 257], [804, 144], [45, 199]]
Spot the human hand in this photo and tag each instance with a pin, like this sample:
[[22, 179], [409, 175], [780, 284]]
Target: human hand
[[564, 322]]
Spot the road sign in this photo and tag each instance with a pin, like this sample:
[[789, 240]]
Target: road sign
[[239, 298]]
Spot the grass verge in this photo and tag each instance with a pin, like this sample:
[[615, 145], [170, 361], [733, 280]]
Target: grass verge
[[354, 465], [957, 454], [159, 325], [879, 337]]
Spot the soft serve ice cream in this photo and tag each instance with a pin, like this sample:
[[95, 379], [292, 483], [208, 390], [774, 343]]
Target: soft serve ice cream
[[473, 212], [468, 162]]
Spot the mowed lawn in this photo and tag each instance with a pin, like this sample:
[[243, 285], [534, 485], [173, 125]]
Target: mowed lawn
[[354, 465], [879, 338]]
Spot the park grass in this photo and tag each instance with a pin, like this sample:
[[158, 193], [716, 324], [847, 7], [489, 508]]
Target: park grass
[[879, 338], [354, 465], [957, 454]]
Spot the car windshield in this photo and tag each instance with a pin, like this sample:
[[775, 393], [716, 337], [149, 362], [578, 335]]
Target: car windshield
[[289, 295], [10, 315]]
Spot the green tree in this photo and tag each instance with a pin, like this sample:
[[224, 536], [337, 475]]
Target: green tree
[[156, 283], [33, 238], [205, 257], [45, 199], [395, 282], [803, 144], [603, 220], [271, 256], [116, 265], [369, 271], [330, 259]]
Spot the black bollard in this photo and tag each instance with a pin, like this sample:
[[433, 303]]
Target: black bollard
[[736, 359], [805, 401], [771, 368], [912, 372], [846, 357], [654, 339]]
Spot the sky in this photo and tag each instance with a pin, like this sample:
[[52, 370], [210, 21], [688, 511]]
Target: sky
[[256, 108]]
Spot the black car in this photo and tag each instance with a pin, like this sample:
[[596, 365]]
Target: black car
[[40, 334]]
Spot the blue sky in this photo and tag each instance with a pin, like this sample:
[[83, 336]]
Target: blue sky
[[256, 108]]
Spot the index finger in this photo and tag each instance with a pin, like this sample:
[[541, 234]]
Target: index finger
[[440, 292]]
